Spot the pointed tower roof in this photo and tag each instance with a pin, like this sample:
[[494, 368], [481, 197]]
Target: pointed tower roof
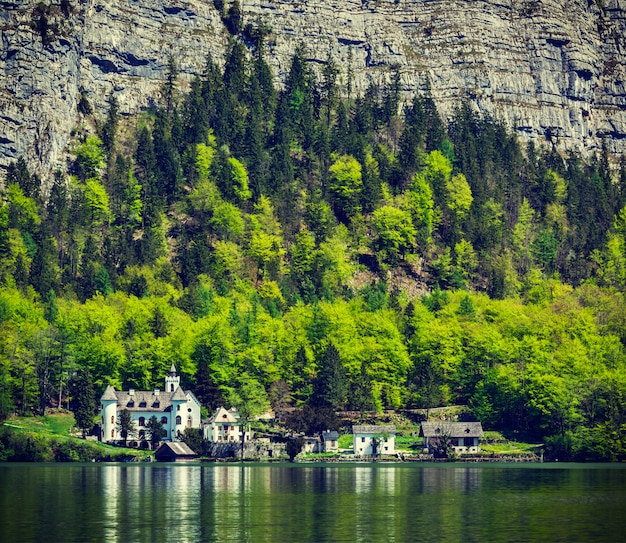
[[109, 395], [173, 369], [178, 395]]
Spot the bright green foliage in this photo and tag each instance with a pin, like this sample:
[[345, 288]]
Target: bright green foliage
[[227, 221], [346, 183], [204, 158], [437, 173], [421, 206], [394, 233], [466, 258], [459, 195], [22, 211], [97, 200], [90, 158], [239, 177], [253, 228]]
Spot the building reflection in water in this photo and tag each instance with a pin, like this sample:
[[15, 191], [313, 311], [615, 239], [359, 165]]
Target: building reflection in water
[[269, 503], [139, 500]]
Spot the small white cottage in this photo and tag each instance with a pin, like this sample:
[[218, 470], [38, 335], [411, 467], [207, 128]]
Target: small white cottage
[[374, 440], [175, 408], [224, 425]]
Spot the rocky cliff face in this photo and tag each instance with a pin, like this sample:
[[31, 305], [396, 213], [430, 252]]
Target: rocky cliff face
[[553, 70]]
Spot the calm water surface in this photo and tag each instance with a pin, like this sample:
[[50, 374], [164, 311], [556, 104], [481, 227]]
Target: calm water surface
[[275, 503]]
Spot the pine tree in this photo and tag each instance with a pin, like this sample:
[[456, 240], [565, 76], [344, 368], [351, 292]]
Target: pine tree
[[331, 384], [83, 400], [110, 126]]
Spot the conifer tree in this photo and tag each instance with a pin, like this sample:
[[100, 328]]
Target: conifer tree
[[330, 385], [83, 400]]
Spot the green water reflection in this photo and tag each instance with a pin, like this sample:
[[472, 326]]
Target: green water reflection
[[273, 503]]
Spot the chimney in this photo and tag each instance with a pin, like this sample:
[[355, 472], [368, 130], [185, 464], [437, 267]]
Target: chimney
[[131, 392], [156, 391]]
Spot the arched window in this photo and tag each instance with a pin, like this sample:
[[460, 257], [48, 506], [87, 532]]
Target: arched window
[[178, 419], [189, 422], [172, 387], [142, 421], [112, 433], [142, 434], [163, 420]]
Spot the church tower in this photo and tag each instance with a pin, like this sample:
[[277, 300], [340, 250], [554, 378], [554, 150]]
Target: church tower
[[172, 381]]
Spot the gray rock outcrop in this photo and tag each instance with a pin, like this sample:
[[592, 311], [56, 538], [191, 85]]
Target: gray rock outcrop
[[552, 70]]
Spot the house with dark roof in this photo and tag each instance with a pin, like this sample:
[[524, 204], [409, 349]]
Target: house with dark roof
[[460, 437], [330, 441], [374, 440], [175, 408], [174, 452], [312, 444]]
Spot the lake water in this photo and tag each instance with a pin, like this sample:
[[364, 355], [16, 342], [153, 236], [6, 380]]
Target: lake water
[[303, 502]]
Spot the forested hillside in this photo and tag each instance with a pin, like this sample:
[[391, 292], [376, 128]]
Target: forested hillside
[[305, 245]]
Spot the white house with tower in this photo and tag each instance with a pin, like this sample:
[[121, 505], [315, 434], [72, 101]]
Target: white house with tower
[[176, 408]]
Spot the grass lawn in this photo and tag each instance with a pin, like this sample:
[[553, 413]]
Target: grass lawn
[[409, 443], [496, 443], [345, 441], [56, 426], [56, 423]]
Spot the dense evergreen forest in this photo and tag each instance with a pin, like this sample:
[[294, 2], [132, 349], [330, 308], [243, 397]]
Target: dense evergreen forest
[[313, 247]]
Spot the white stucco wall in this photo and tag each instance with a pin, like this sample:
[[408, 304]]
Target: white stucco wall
[[363, 444]]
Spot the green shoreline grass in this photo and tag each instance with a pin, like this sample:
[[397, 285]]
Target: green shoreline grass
[[52, 439]]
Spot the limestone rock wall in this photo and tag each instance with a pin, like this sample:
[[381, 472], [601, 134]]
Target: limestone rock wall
[[553, 70]]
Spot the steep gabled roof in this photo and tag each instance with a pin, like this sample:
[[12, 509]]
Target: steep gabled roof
[[178, 395], [331, 435], [177, 448], [451, 429], [373, 429], [222, 415], [109, 395]]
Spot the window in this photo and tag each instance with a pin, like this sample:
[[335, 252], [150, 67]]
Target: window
[[362, 440], [178, 419], [172, 387], [232, 438], [189, 422], [142, 421], [232, 428], [142, 403], [219, 438], [112, 419], [178, 407], [112, 433], [226, 428], [142, 434], [189, 410], [163, 420]]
